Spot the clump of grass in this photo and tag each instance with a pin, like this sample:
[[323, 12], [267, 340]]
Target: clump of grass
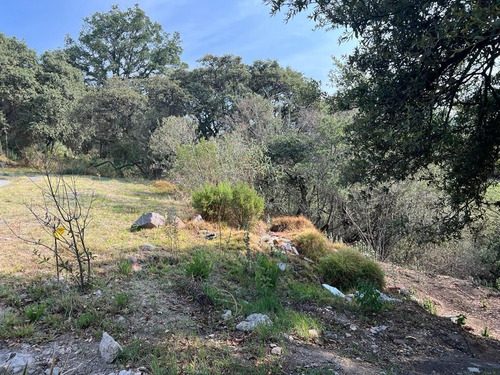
[[266, 274], [347, 268], [312, 244], [121, 300], [301, 324], [87, 319], [125, 267], [35, 311], [164, 187], [307, 292], [200, 266], [267, 303], [291, 224]]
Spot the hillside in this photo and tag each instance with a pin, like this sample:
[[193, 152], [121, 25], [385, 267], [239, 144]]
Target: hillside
[[170, 322]]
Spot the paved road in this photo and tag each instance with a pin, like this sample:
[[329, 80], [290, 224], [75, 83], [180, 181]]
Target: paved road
[[4, 182]]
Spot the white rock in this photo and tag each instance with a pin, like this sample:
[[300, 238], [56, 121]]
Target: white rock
[[253, 321], [333, 290], [378, 329], [129, 372], [473, 370], [197, 219], [227, 315], [55, 371], [313, 333], [386, 298], [282, 266], [277, 350], [109, 348]]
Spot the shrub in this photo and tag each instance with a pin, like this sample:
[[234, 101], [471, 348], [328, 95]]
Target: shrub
[[246, 204], [312, 244], [347, 268], [236, 205], [200, 266], [290, 224]]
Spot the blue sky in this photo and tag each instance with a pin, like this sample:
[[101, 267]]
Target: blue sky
[[239, 27]]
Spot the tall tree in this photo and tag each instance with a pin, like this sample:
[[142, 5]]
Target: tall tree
[[215, 87], [18, 88], [425, 80], [123, 44], [60, 88]]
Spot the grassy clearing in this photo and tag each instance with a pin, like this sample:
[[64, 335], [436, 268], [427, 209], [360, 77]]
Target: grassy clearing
[[175, 294]]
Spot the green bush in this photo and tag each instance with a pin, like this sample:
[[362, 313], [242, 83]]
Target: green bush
[[312, 244], [347, 268], [236, 205]]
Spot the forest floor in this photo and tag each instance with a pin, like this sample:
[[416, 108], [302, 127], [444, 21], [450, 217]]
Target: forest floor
[[168, 323]]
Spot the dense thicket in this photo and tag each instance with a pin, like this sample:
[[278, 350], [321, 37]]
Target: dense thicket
[[147, 114]]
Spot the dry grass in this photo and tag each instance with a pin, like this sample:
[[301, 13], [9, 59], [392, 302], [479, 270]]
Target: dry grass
[[118, 204], [291, 224], [164, 187], [312, 244]]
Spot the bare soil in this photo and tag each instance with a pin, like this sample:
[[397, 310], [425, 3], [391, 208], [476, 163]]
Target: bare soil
[[414, 342]]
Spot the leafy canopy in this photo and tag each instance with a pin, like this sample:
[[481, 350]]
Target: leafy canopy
[[425, 81], [123, 44]]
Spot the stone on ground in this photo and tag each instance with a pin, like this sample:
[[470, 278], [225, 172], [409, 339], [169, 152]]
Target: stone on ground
[[109, 348], [16, 362], [252, 321], [149, 220]]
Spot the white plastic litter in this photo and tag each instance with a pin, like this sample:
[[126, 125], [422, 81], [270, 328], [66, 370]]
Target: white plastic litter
[[333, 290]]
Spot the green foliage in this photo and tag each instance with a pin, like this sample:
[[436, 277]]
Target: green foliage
[[35, 311], [200, 266], [266, 274], [125, 267], [121, 300], [430, 306], [123, 44], [173, 133], [486, 332], [346, 268], [86, 319], [368, 297], [247, 205], [461, 320], [236, 205], [312, 244], [421, 82], [264, 303], [215, 86], [313, 293], [300, 323]]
